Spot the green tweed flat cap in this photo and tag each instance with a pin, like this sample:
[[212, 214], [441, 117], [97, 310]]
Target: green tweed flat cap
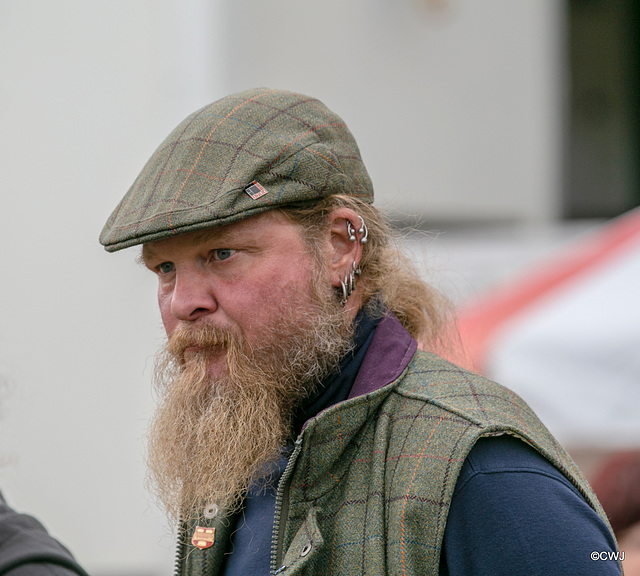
[[242, 155]]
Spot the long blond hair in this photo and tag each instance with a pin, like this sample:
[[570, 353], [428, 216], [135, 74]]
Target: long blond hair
[[386, 271]]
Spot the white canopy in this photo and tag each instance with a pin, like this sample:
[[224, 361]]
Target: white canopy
[[566, 337]]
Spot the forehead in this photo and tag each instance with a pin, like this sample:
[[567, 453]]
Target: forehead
[[264, 228]]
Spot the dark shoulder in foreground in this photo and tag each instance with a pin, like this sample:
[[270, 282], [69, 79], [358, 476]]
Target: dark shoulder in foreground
[[26, 549]]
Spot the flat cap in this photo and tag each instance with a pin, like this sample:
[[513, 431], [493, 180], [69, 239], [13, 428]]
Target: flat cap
[[247, 153]]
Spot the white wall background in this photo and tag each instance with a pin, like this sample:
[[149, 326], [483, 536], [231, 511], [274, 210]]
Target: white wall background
[[87, 90], [455, 105]]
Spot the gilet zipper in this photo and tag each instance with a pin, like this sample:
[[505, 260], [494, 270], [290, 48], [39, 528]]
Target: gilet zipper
[[180, 547], [282, 509]]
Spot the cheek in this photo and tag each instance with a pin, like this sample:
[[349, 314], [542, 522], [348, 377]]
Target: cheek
[[169, 321], [261, 303], [251, 303]]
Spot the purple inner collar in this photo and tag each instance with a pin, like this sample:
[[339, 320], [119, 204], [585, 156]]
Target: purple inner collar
[[389, 353]]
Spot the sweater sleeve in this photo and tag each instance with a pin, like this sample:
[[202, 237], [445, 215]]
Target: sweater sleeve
[[513, 513], [26, 549]]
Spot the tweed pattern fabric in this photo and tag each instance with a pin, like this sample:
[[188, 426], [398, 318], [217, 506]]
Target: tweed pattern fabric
[[293, 146], [371, 488]]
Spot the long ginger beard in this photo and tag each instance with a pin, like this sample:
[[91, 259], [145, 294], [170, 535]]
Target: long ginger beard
[[211, 438]]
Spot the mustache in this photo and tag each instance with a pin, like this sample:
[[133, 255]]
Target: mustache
[[205, 338]]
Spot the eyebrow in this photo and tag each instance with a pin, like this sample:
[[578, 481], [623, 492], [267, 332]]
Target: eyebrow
[[146, 254]]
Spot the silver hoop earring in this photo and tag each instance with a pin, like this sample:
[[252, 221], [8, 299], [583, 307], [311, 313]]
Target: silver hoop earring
[[352, 282], [351, 231], [348, 285], [345, 291], [363, 230]]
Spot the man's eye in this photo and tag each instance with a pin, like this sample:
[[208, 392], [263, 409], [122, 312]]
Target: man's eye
[[166, 267], [223, 253]]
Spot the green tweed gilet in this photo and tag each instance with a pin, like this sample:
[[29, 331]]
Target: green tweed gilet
[[368, 488]]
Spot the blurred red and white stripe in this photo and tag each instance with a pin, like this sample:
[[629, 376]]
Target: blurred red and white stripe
[[566, 337]]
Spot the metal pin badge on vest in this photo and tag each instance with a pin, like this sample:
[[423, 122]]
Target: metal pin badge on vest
[[203, 537], [255, 190]]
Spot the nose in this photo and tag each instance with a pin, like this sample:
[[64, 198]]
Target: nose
[[192, 296]]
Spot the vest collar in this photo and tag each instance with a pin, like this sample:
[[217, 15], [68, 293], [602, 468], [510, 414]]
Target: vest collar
[[389, 353]]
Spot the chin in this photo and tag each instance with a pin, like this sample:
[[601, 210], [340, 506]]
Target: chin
[[218, 368]]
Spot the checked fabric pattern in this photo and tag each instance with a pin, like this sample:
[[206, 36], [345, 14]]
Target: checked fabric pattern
[[372, 486], [292, 145]]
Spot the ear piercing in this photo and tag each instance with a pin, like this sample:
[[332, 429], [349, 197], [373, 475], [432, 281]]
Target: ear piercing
[[351, 231], [363, 231], [348, 285]]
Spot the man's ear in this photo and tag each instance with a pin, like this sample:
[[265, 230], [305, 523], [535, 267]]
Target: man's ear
[[346, 247]]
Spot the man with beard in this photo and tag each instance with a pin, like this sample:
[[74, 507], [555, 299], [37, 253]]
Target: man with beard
[[301, 431]]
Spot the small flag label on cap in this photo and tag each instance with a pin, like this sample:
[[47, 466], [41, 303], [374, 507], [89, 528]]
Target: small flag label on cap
[[203, 537], [255, 190]]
